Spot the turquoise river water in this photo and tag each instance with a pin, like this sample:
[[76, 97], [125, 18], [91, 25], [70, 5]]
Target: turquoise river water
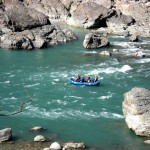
[[92, 115]]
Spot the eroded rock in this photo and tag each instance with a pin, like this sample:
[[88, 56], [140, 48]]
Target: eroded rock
[[136, 109], [93, 40], [5, 134]]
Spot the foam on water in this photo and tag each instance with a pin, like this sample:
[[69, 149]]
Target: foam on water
[[110, 70], [32, 85], [7, 82], [104, 97], [111, 115], [142, 61], [10, 98], [69, 114], [75, 97], [125, 68], [124, 44], [91, 52], [59, 102]]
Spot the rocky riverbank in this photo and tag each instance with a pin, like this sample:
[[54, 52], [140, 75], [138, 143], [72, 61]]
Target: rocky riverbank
[[110, 17], [7, 141]]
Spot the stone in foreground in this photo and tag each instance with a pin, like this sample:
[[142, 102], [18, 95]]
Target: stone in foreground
[[39, 138], [5, 134], [136, 109]]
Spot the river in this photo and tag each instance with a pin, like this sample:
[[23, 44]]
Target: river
[[92, 115]]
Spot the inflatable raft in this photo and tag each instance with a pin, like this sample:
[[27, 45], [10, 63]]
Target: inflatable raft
[[85, 83]]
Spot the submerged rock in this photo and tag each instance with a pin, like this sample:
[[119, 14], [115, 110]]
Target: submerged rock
[[5, 134], [105, 53], [37, 128], [147, 141], [136, 109]]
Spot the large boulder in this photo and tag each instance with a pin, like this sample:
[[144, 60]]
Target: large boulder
[[15, 40], [136, 109], [54, 9], [55, 146], [89, 15], [39, 138], [139, 10], [36, 38], [93, 40], [5, 134], [119, 20], [105, 3], [142, 31], [53, 34], [20, 18]]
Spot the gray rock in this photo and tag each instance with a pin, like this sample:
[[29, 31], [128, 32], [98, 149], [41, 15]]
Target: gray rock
[[20, 18], [147, 141], [55, 146], [136, 109], [120, 20], [5, 134], [89, 15], [53, 34], [133, 38], [36, 38], [54, 9], [105, 53], [46, 148], [39, 42], [142, 31], [71, 145], [93, 40], [39, 138], [15, 40], [139, 55], [139, 11], [37, 128]]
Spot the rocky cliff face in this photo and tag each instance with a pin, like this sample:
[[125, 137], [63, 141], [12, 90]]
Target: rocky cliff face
[[116, 16], [139, 10], [136, 109]]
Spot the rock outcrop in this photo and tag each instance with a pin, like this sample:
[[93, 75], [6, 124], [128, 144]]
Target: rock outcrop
[[5, 134], [89, 15], [93, 40], [138, 9], [15, 40], [54, 9], [111, 17], [136, 109], [21, 17], [36, 38]]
